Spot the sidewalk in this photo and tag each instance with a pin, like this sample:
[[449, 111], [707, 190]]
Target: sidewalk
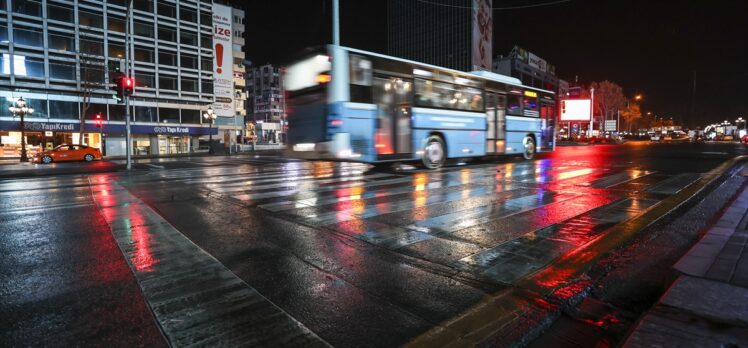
[[707, 306]]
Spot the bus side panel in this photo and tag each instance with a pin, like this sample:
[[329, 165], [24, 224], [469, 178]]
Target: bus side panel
[[359, 120], [307, 123], [464, 132], [516, 130]]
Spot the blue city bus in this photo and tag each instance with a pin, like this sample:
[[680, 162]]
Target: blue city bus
[[354, 105]]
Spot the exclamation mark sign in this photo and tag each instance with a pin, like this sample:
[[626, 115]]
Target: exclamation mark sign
[[219, 57]]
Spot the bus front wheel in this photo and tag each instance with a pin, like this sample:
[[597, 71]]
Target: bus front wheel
[[434, 153], [529, 150]]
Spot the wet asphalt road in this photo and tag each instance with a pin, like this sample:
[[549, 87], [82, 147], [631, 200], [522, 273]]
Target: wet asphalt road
[[359, 257]]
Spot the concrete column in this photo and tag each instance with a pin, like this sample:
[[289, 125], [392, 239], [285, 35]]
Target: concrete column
[[154, 145]]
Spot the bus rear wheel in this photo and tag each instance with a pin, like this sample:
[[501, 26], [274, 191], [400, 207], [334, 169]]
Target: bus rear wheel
[[529, 148], [434, 153]]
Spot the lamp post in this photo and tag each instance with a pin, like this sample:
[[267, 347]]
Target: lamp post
[[21, 109], [210, 116]]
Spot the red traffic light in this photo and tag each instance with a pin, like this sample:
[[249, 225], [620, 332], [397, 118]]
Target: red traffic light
[[98, 121]]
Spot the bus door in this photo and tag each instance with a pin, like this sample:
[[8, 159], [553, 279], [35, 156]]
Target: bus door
[[548, 130], [496, 120], [393, 137]]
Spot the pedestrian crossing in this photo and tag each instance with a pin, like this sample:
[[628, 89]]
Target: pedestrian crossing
[[497, 222]]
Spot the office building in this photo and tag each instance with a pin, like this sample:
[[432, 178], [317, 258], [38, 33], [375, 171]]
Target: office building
[[456, 34], [267, 102], [60, 56]]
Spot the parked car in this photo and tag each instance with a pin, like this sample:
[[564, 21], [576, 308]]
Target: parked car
[[655, 137], [744, 139], [67, 152]]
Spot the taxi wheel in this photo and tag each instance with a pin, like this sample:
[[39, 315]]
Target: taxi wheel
[[47, 159], [88, 157]]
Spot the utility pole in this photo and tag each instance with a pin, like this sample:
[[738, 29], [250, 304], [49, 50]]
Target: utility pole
[[592, 111], [335, 23], [128, 135]]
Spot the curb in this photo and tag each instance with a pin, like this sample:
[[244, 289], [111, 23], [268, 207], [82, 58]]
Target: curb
[[502, 319]]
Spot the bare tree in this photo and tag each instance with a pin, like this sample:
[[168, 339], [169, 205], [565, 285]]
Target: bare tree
[[91, 81], [609, 99]]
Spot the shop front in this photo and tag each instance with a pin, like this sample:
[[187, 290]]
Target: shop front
[[42, 136], [147, 140]]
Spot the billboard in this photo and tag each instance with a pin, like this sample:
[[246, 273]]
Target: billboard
[[575, 110], [223, 62], [482, 34]]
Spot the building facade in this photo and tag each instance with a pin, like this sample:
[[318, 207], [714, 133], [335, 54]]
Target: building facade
[[267, 102], [456, 34], [60, 56]]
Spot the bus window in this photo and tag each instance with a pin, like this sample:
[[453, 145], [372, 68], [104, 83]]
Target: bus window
[[445, 95], [360, 79], [514, 104], [531, 106]]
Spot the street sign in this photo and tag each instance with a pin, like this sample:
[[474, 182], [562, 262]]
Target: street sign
[[610, 125], [575, 92]]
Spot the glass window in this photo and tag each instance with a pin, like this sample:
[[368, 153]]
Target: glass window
[[188, 61], [3, 34], [207, 86], [167, 82], [206, 18], [189, 84], [62, 70], [168, 10], [206, 41], [188, 14], [166, 34], [122, 3], [167, 58], [145, 114], [143, 29], [445, 95], [116, 24], [168, 115], [30, 37], [90, 19], [63, 109], [116, 112], [28, 66], [61, 41], [116, 50], [92, 73], [191, 116], [187, 38], [143, 5], [40, 107], [144, 54], [514, 104], [206, 64], [530, 106], [94, 109], [147, 80], [93, 46], [27, 7], [59, 13]]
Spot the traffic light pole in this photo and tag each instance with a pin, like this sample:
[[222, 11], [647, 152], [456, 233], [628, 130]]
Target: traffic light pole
[[128, 139]]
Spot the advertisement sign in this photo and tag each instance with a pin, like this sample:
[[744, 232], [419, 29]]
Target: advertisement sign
[[537, 62], [576, 110], [223, 62], [610, 125], [49, 127], [482, 34]]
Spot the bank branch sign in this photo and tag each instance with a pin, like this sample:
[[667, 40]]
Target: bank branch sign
[[223, 62]]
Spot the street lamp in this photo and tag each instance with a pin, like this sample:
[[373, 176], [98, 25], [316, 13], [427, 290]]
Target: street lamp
[[21, 109], [210, 116]]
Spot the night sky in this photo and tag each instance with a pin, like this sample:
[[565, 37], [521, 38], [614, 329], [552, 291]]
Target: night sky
[[650, 47]]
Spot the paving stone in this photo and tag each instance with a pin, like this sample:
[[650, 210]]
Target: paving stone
[[709, 299]]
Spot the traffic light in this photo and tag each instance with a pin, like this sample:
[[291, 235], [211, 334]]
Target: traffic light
[[124, 85], [128, 85], [98, 121]]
